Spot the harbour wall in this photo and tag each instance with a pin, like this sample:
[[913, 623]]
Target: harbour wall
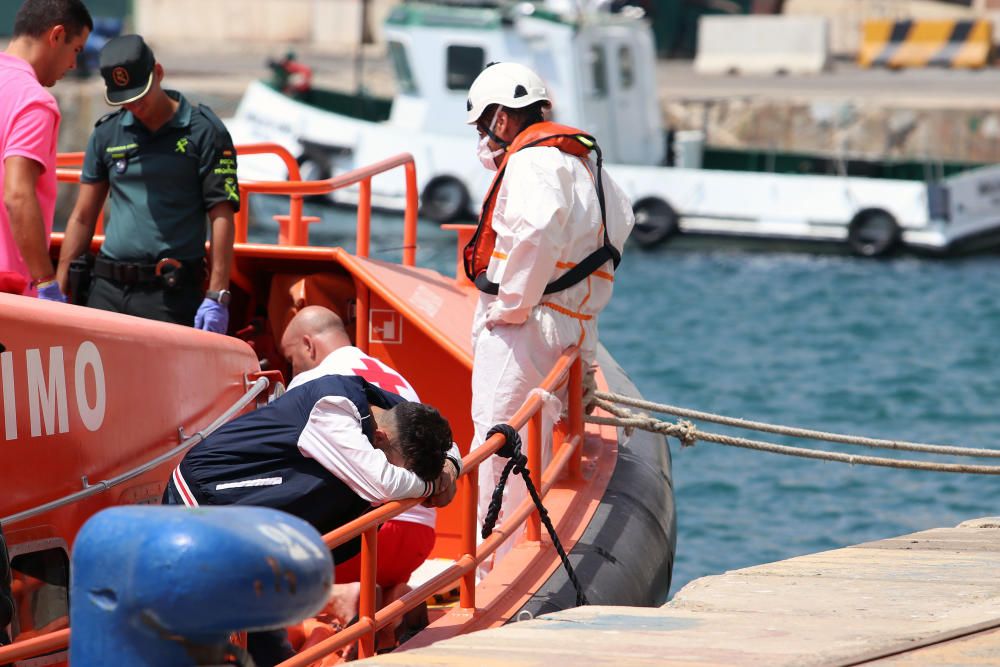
[[847, 112], [852, 128], [330, 25]]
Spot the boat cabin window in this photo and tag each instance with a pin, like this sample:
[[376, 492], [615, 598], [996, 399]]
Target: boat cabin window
[[464, 65], [401, 68], [598, 71], [626, 66], [41, 591]]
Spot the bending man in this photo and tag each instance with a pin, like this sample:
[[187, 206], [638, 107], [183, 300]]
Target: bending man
[[325, 451], [316, 344]]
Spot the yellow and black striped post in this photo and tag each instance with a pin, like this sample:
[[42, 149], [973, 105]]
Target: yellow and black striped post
[[925, 43]]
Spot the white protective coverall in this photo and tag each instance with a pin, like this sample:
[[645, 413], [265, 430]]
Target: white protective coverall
[[547, 218]]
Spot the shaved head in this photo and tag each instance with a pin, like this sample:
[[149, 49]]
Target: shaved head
[[315, 321], [312, 334]]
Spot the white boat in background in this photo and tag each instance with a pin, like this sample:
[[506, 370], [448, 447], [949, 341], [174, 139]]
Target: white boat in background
[[600, 68]]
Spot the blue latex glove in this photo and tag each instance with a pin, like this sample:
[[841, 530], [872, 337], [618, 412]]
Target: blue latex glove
[[212, 316], [51, 292]]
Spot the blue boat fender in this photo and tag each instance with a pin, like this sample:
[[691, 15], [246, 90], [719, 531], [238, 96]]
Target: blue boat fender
[[153, 586]]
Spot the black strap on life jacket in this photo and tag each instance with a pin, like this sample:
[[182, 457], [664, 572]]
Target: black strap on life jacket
[[591, 262]]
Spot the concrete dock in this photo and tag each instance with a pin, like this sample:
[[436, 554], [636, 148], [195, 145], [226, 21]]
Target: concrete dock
[[929, 598]]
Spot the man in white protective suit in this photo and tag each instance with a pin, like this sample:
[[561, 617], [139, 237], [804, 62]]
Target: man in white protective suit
[[543, 256]]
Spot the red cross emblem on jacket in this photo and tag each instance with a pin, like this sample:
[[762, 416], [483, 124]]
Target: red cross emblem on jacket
[[380, 376]]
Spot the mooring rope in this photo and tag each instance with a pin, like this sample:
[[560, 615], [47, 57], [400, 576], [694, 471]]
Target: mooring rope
[[796, 432], [689, 434], [518, 464]]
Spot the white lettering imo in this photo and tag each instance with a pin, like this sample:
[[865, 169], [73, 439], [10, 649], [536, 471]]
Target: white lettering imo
[[9, 414], [47, 394], [50, 399], [92, 416]]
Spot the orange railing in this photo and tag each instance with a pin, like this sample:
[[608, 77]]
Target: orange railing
[[293, 228], [463, 570], [567, 442], [65, 160]]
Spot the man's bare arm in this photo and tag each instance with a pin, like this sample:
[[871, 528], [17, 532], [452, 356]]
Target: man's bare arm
[[21, 176], [445, 486], [80, 227], [223, 233]]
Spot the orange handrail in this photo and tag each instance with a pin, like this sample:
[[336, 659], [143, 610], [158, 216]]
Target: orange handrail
[[271, 148], [462, 570], [297, 223], [242, 219], [75, 159], [361, 176], [567, 370], [69, 159], [36, 646]]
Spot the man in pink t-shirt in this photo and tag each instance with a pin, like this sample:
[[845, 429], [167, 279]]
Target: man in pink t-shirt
[[48, 35]]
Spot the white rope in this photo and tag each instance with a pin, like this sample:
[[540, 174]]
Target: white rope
[[947, 450], [688, 434]]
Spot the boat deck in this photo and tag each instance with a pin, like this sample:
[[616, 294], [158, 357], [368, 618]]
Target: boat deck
[[929, 598]]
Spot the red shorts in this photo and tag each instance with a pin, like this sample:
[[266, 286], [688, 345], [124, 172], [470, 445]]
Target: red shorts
[[402, 547]]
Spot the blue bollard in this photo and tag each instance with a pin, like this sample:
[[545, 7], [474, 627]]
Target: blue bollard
[[149, 583]]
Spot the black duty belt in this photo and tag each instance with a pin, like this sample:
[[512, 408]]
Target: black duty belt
[[168, 272]]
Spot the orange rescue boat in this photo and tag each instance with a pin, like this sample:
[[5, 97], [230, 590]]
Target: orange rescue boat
[[97, 408]]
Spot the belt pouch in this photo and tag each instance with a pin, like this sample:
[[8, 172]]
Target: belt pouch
[[81, 272]]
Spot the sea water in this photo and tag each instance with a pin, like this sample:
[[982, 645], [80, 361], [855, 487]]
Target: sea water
[[905, 348], [901, 349]]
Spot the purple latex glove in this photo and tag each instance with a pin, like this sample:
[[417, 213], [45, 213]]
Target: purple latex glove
[[51, 292], [212, 316]]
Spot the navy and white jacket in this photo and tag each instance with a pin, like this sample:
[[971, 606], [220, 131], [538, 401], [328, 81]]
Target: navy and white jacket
[[275, 456]]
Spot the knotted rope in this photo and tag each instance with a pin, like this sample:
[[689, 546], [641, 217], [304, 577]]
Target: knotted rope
[[689, 434], [518, 464]]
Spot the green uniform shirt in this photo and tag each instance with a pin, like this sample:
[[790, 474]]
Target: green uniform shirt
[[162, 183]]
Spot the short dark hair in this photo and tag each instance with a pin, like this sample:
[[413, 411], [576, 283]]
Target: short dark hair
[[424, 437], [37, 17]]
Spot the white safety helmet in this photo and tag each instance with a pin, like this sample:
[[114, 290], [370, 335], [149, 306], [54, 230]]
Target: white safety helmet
[[507, 84]]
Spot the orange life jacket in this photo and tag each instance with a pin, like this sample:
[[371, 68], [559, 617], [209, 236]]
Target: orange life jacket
[[477, 253]]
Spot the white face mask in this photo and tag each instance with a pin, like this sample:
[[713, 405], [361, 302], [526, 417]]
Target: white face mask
[[486, 156]]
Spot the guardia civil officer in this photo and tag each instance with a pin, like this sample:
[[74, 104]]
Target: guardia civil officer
[[170, 168]]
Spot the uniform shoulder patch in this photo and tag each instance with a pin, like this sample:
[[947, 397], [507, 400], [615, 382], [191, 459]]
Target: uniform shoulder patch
[[214, 120], [221, 139], [106, 117]]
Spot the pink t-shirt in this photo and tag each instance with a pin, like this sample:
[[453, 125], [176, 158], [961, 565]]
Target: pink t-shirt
[[29, 127]]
